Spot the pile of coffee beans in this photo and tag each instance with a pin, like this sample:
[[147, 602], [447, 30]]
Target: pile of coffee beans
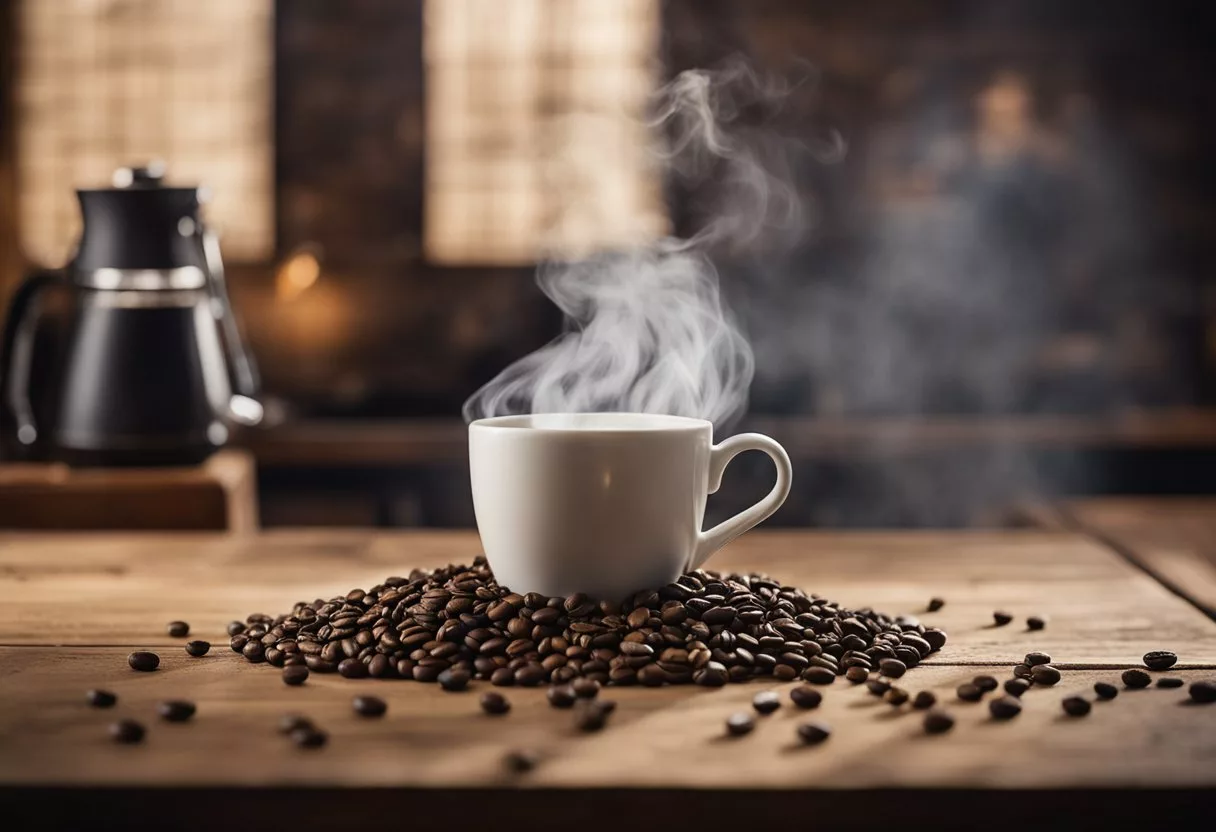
[[456, 623]]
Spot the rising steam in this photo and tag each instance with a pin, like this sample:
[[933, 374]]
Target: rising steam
[[646, 329]]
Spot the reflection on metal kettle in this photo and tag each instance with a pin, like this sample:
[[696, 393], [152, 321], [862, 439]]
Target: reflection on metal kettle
[[145, 379]]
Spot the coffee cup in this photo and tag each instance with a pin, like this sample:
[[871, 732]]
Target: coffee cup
[[604, 503]]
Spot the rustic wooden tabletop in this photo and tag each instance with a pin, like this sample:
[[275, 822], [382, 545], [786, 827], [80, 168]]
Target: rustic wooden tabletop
[[72, 607]]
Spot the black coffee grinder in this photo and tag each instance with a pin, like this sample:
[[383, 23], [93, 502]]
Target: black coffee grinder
[[144, 379]]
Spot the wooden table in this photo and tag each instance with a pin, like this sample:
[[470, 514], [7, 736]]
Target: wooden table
[[71, 608]]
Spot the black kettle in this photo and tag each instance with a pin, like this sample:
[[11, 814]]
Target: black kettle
[[144, 379]]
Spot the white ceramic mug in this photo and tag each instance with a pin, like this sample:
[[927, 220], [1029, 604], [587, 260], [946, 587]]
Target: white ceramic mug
[[604, 503]]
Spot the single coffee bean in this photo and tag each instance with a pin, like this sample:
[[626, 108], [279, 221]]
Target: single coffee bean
[[143, 661], [178, 629], [318, 665], [561, 696], [101, 698], [352, 669], [235, 628], [1203, 692], [938, 722], [1001, 618], [1035, 623], [985, 683], [176, 710], [1075, 705], [531, 675], [1016, 687], [766, 702], [1044, 674], [1036, 658], [818, 675], [895, 696], [969, 693], [521, 762], [590, 718], [238, 642], [198, 648], [309, 736], [502, 677], [1005, 707], [369, 706], [924, 700], [295, 675], [1105, 690], [936, 604], [454, 680], [857, 675], [1170, 682], [935, 637], [740, 723], [585, 688], [813, 733], [493, 702], [878, 687], [892, 668], [1160, 660], [127, 731], [806, 697], [1022, 671], [1136, 678], [254, 652]]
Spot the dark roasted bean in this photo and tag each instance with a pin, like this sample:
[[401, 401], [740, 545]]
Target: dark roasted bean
[[766, 702], [1076, 705], [985, 683], [370, 706], [585, 688], [892, 668], [1203, 692], [806, 697], [352, 669], [493, 702], [198, 648], [1136, 678], [296, 675], [1016, 687], [591, 717], [178, 629], [740, 723], [938, 722], [521, 762], [813, 733], [290, 722], [144, 661], [1036, 622], [235, 628], [308, 736], [1005, 707], [101, 698], [935, 604], [127, 731], [176, 710], [1170, 682], [969, 693], [1160, 660], [1022, 671], [530, 675], [924, 700], [1036, 658], [878, 687], [895, 696], [454, 679], [1044, 674], [255, 653], [818, 676], [1105, 690], [502, 677], [561, 696], [856, 675], [1001, 618], [935, 637]]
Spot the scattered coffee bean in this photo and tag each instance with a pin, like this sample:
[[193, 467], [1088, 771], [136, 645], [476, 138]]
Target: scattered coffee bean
[[969, 692], [352, 669], [1036, 658], [127, 731], [936, 604], [370, 706], [1136, 678], [1022, 671], [1170, 682], [766, 702], [521, 762], [143, 661], [591, 716], [238, 642], [938, 722], [1001, 618], [1105, 690], [1044, 674], [878, 687], [295, 675], [101, 698], [985, 683], [198, 648], [1160, 660], [254, 652], [818, 676], [454, 679], [739, 724], [1203, 692], [935, 637], [892, 668], [1076, 705], [813, 733], [290, 722], [178, 629], [895, 696], [924, 700], [236, 628], [1035, 623], [857, 675], [806, 697], [1016, 687], [309, 736], [561, 696], [1005, 707], [176, 710], [585, 688], [493, 702]]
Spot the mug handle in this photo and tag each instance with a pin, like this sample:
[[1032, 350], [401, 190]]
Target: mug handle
[[719, 457]]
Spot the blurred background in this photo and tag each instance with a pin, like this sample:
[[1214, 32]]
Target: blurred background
[[1002, 295]]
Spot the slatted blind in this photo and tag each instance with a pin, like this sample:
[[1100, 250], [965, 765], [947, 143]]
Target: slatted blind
[[535, 138], [108, 83]]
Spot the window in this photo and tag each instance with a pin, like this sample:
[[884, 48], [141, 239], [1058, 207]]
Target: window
[[535, 137], [107, 83]]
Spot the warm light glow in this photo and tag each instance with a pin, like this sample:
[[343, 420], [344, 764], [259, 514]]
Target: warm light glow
[[296, 274]]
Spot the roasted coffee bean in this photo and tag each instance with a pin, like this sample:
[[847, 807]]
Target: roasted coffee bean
[[985, 683], [290, 722], [1001, 618], [740, 723], [1036, 658], [1105, 690], [101, 698], [585, 688], [766, 702], [813, 733], [352, 669], [493, 702], [127, 731], [531, 675], [318, 665], [1160, 660], [895, 696], [235, 628], [176, 710], [198, 648], [308, 736], [936, 604], [818, 676], [454, 679], [1016, 687], [806, 697], [178, 629], [561, 696], [969, 693], [1170, 682], [857, 675], [370, 706], [1203, 692], [924, 700], [502, 677], [892, 668], [1075, 705], [1022, 671], [296, 675], [1005, 707], [938, 722], [143, 661], [1044, 674], [254, 652], [878, 687], [591, 717], [1036, 622], [1136, 678], [521, 762], [935, 637]]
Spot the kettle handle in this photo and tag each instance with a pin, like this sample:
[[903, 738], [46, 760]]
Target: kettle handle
[[17, 351], [244, 370]]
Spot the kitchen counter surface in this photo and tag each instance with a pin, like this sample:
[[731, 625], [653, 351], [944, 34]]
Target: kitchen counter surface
[[72, 607]]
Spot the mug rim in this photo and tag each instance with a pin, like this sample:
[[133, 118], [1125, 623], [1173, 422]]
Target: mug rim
[[659, 423]]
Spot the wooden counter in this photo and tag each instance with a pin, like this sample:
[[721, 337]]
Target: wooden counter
[[72, 607]]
